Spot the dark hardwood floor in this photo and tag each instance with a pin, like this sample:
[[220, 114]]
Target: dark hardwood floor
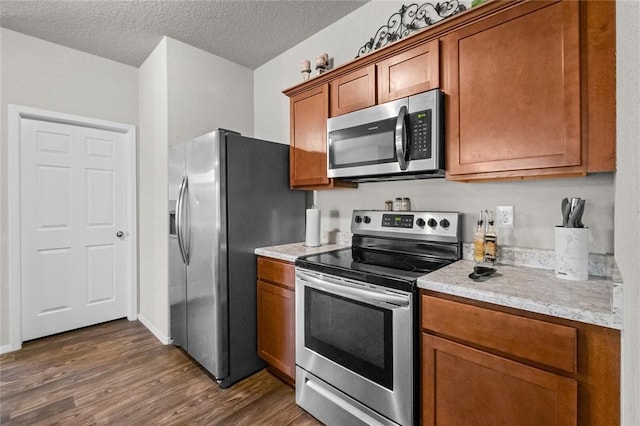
[[118, 373]]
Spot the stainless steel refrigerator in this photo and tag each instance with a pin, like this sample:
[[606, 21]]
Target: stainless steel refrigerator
[[228, 194]]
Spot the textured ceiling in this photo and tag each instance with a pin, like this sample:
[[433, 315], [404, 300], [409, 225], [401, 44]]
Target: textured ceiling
[[247, 32]]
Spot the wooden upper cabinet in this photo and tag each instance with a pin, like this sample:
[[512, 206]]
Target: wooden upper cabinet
[[407, 73], [529, 91], [512, 82], [308, 149], [353, 91]]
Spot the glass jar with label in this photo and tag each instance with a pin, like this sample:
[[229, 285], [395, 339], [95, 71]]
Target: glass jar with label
[[397, 204], [405, 204]]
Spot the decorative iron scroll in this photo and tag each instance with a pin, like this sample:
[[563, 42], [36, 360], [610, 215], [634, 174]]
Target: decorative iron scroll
[[409, 19]]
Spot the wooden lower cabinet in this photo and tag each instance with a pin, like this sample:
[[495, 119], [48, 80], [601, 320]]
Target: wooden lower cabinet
[[276, 317], [465, 386], [483, 364]]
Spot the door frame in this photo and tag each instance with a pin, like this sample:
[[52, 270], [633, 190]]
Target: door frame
[[18, 113]]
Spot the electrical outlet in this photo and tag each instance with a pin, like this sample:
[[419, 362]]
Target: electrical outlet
[[505, 216]]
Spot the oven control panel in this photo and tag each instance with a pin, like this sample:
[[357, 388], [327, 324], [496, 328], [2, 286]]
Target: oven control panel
[[397, 220], [437, 226]]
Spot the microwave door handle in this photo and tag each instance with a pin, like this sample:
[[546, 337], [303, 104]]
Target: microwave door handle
[[401, 138]]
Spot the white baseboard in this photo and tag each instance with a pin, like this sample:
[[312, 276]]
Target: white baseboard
[[154, 330], [6, 348]]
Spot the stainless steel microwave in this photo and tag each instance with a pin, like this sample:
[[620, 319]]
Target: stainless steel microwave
[[401, 139]]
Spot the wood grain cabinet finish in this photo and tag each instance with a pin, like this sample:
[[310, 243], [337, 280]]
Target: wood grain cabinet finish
[[465, 386], [407, 73], [485, 365], [308, 149], [532, 340], [529, 91], [353, 91], [276, 317], [513, 92]]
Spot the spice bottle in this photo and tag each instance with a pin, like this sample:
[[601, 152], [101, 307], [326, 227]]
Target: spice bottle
[[406, 204], [490, 241], [478, 240], [397, 204]]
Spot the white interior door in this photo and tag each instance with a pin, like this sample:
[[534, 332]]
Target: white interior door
[[72, 208]]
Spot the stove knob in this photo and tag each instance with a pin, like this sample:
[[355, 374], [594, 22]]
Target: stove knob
[[358, 219], [432, 223], [444, 223], [367, 219], [420, 222]]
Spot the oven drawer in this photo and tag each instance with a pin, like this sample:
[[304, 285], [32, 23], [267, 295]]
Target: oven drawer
[[538, 341]]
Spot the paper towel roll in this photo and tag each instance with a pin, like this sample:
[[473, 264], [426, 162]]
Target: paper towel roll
[[572, 253], [312, 235]]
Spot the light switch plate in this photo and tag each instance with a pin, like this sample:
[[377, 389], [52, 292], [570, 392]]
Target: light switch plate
[[505, 216]]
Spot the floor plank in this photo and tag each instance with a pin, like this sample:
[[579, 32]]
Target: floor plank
[[118, 373]]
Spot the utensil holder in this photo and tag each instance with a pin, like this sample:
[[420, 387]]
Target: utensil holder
[[572, 253]]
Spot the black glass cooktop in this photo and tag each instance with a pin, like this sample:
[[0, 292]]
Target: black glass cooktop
[[395, 270]]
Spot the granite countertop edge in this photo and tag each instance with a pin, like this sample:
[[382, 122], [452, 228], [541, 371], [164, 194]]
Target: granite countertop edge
[[541, 292], [290, 252], [520, 287]]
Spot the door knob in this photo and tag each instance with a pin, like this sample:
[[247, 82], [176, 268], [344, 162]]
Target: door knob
[[119, 234]]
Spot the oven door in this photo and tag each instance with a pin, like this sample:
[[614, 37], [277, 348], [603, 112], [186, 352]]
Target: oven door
[[359, 339]]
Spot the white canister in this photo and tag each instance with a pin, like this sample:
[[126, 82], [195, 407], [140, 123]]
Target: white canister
[[312, 229], [572, 253]]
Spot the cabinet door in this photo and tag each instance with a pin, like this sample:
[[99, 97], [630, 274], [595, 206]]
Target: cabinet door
[[414, 71], [464, 386], [513, 86], [276, 327], [353, 91], [308, 152]]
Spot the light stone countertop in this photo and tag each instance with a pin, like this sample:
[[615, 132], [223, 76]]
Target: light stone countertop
[[290, 252], [595, 301]]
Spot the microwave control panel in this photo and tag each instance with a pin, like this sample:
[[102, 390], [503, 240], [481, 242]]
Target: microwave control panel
[[420, 129]]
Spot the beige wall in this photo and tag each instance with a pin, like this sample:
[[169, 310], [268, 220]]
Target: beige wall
[[184, 92], [627, 217], [47, 76], [152, 193], [206, 92]]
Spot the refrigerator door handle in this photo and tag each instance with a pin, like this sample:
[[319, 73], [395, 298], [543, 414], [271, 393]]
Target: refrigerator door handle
[[185, 233], [179, 215]]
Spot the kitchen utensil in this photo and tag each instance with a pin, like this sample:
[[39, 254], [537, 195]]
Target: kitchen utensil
[[579, 216], [574, 203], [575, 218], [566, 210]]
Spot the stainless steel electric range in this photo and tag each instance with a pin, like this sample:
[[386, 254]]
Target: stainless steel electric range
[[357, 317]]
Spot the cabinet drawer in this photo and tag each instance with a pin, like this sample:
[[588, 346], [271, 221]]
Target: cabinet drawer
[[276, 271], [529, 339]]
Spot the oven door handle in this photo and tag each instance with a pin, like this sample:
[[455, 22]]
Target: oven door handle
[[341, 289]]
